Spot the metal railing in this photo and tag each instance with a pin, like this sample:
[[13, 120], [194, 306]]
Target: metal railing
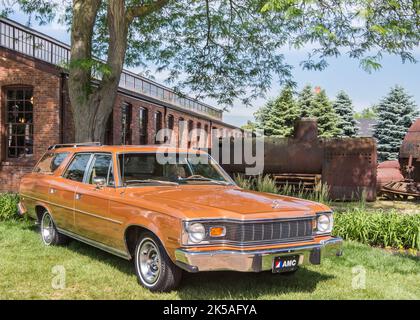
[[19, 38]]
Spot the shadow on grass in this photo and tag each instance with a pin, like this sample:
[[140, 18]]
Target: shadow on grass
[[238, 285], [221, 284]]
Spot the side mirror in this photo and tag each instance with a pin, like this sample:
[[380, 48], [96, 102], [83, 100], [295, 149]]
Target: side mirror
[[100, 182]]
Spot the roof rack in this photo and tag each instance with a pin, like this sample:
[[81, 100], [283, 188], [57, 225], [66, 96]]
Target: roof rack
[[74, 145]]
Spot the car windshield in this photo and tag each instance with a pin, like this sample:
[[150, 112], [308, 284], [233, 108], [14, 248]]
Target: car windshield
[[170, 169]]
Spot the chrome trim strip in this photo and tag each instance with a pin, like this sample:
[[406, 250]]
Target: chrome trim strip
[[265, 251], [73, 209], [253, 243], [232, 220], [96, 244]]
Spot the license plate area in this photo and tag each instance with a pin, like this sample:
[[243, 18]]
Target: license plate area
[[285, 263]]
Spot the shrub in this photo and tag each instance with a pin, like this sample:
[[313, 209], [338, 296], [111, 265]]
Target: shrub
[[243, 182], [8, 206], [385, 229], [265, 184]]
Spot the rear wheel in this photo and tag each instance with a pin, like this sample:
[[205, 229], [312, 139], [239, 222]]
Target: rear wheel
[[49, 233], [155, 270]]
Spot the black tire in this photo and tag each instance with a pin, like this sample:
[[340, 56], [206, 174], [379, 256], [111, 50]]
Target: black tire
[[49, 233], [154, 269]]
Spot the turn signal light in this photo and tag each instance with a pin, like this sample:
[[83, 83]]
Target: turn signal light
[[217, 231]]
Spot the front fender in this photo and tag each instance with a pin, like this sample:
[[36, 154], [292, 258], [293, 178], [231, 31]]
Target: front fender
[[166, 228]]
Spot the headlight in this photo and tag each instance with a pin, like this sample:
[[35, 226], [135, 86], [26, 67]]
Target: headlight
[[196, 232], [324, 223]]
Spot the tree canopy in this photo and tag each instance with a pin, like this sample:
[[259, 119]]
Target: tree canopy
[[226, 50], [343, 106], [396, 113]]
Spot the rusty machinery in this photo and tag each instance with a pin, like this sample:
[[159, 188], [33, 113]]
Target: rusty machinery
[[408, 184], [346, 165]]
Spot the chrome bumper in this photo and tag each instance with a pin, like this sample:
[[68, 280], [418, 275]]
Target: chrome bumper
[[256, 260]]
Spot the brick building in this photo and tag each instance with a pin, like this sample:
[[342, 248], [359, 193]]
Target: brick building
[[35, 110]]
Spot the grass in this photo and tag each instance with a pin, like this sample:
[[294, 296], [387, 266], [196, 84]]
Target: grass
[[26, 273]]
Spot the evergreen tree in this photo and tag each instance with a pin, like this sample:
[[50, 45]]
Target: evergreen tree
[[396, 112], [344, 108], [284, 113], [262, 115], [326, 117], [305, 101]]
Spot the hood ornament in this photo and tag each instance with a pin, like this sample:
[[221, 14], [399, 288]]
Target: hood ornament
[[275, 204]]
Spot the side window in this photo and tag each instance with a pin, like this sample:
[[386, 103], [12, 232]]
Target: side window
[[102, 168], [50, 162], [77, 167]]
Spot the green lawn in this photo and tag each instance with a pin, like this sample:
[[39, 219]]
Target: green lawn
[[26, 273]]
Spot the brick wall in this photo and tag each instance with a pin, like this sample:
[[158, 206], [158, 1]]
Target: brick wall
[[46, 81]]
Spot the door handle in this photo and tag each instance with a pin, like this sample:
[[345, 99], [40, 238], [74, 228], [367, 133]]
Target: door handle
[[77, 196]]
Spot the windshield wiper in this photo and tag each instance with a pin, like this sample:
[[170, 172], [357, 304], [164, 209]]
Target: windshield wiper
[[201, 178], [152, 181]]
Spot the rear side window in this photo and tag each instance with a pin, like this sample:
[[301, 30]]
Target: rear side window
[[50, 162], [102, 168], [77, 167]]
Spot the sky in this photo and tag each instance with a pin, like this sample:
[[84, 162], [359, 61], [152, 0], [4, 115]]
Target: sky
[[342, 73]]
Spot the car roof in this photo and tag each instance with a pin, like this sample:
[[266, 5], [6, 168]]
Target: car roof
[[126, 148]]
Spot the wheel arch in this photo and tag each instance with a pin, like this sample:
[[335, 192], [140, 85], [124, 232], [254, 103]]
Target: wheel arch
[[132, 233]]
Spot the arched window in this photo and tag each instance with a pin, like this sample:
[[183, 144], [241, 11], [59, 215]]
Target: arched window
[[126, 115], [158, 124], [190, 128], [170, 123], [180, 130], [143, 119], [19, 122]]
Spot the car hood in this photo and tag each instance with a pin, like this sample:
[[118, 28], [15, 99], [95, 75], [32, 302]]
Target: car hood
[[232, 202]]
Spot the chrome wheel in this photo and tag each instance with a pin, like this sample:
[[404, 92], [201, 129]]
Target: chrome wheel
[[47, 229], [148, 261]]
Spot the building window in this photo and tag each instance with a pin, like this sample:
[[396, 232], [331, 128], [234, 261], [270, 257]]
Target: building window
[[180, 131], [126, 113], [198, 131], [143, 119], [158, 124], [171, 123], [190, 128], [19, 122]]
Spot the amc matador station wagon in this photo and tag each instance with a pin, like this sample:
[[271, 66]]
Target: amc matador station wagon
[[171, 210]]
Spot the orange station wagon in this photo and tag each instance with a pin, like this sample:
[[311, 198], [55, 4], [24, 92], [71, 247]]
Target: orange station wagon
[[171, 210]]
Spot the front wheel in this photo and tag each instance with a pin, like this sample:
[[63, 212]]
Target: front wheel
[[155, 270], [49, 233]]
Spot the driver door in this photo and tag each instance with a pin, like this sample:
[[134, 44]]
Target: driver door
[[92, 217]]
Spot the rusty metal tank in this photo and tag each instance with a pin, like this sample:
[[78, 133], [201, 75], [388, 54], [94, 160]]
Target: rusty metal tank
[[410, 148], [347, 165]]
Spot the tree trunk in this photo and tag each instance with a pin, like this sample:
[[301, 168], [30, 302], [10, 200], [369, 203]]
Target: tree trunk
[[92, 106]]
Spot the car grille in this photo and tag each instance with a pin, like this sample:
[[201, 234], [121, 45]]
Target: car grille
[[255, 232]]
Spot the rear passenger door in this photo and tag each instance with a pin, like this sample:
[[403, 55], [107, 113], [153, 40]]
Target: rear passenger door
[[92, 203], [63, 190]]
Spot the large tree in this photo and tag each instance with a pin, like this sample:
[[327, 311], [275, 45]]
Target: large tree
[[304, 101], [283, 115], [396, 112], [343, 106], [325, 114], [222, 49]]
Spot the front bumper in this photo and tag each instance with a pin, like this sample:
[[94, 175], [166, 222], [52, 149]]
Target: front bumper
[[255, 260]]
